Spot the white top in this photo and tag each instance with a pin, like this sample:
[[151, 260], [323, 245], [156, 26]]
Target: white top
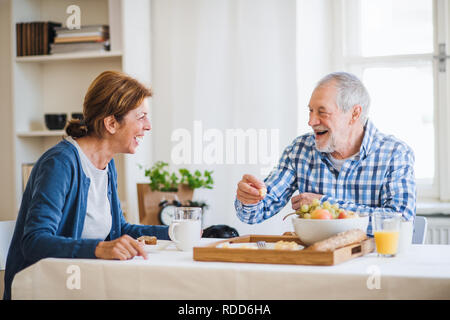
[[337, 163], [98, 221]]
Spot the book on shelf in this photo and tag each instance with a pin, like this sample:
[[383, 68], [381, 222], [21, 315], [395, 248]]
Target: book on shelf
[[26, 171], [80, 39], [93, 28], [88, 33], [81, 34], [34, 38], [87, 38]]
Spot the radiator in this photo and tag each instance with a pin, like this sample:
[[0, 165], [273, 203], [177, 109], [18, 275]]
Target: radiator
[[438, 230]]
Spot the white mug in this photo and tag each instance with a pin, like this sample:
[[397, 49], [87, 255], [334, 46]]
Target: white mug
[[185, 230]]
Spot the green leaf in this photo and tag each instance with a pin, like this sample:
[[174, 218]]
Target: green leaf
[[161, 179]]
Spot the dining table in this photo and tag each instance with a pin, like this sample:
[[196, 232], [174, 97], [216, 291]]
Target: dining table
[[422, 272]]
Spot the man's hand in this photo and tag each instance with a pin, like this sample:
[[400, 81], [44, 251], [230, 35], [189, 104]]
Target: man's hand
[[123, 248], [304, 198], [250, 190]]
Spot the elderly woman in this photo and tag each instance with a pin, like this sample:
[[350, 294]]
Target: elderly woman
[[70, 207]]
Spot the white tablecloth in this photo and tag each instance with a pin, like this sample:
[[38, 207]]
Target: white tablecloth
[[422, 273]]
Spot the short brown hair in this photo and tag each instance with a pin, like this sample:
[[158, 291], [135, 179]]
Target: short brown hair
[[111, 93]]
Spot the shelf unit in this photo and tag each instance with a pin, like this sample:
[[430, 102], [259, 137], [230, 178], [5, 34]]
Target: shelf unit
[[40, 133], [70, 56], [57, 83]]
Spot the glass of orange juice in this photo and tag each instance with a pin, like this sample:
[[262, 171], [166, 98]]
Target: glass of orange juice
[[386, 227]]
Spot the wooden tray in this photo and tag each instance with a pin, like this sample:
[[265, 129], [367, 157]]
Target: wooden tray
[[301, 257]]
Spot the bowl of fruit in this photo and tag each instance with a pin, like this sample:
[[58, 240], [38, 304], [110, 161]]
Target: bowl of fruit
[[317, 222]]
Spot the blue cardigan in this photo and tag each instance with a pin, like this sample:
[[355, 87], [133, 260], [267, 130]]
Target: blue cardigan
[[53, 209]]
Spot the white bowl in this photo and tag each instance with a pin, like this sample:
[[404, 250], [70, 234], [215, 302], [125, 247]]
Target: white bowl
[[313, 230]]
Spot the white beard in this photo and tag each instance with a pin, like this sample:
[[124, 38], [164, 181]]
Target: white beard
[[330, 147]]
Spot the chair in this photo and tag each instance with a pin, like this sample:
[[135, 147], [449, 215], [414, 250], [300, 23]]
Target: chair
[[6, 233], [420, 230]]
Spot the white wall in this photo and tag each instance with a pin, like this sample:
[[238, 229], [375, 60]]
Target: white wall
[[7, 197], [230, 64], [314, 44], [136, 17]]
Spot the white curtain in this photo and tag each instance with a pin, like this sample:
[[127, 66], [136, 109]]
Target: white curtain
[[227, 64]]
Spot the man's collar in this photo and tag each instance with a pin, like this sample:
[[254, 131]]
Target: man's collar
[[369, 133]]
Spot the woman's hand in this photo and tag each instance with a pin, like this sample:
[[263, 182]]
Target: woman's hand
[[123, 248]]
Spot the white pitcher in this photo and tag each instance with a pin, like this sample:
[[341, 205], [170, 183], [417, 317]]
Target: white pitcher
[[186, 229]]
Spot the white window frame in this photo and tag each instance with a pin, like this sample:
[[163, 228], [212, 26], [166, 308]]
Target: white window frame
[[439, 188]]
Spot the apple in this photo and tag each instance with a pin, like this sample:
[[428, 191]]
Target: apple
[[342, 214], [320, 213]]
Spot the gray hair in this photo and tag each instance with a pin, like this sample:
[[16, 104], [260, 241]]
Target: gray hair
[[350, 91]]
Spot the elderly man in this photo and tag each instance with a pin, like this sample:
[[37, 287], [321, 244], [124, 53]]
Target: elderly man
[[345, 160]]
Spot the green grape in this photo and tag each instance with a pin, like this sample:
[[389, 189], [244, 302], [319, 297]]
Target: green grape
[[326, 205], [315, 202], [307, 216], [304, 208], [335, 206]]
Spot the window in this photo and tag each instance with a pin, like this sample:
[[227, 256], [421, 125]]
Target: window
[[390, 45]]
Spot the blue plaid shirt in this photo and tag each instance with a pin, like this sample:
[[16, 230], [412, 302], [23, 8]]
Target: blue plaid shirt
[[379, 179]]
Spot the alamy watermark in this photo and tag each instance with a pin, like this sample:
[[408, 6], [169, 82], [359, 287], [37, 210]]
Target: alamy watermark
[[374, 279], [74, 20], [73, 281], [225, 147]]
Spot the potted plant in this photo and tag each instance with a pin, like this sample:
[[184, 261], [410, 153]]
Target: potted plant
[[169, 186]]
